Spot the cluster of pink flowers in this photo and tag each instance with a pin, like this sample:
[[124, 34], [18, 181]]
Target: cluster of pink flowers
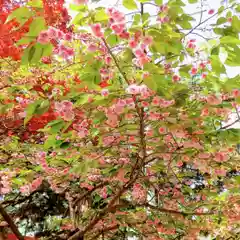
[[213, 100], [26, 189], [103, 193], [106, 74], [65, 110], [157, 101], [117, 22], [163, 10], [136, 89], [139, 194], [64, 51], [5, 186], [82, 128], [80, 1], [221, 156], [56, 35], [97, 30], [140, 46], [53, 34]]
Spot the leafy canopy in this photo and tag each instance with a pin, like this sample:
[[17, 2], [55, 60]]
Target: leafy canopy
[[123, 121]]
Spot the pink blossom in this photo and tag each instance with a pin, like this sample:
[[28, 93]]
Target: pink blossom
[[139, 194], [166, 103], [211, 11], [220, 172], [108, 140], [105, 92], [36, 183], [92, 47], [139, 53], [108, 60], [156, 101], [194, 71], [236, 93], [83, 132], [204, 155], [221, 157], [25, 189], [118, 28], [86, 185], [133, 89], [213, 100], [43, 37], [205, 112], [145, 75], [153, 116], [60, 34], [80, 1], [192, 144], [147, 40], [162, 130], [68, 37], [65, 108], [124, 35], [97, 30], [52, 33], [123, 160], [133, 44], [176, 78], [103, 193]]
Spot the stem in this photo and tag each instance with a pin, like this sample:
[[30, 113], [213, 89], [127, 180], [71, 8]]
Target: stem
[[206, 20], [116, 62], [10, 222]]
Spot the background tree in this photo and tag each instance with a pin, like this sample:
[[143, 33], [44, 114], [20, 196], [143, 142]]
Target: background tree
[[116, 126]]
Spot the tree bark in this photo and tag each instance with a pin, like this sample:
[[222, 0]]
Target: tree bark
[[10, 222]]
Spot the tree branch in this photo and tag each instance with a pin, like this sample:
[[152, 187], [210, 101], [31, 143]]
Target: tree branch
[[10, 222]]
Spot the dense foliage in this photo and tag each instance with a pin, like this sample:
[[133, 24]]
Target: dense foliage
[[118, 124]]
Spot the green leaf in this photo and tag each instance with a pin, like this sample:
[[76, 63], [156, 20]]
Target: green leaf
[[229, 40], [221, 9], [25, 40], [35, 53], [37, 25], [78, 8], [35, 3], [42, 107], [47, 49], [192, 1], [149, 81], [38, 107], [215, 51], [238, 8], [159, 2], [55, 126], [21, 14], [112, 40], [101, 15], [236, 23], [50, 142], [221, 20], [65, 145], [77, 20], [129, 4], [82, 100], [29, 112], [217, 66]]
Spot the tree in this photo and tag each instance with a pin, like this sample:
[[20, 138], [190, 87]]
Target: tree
[[114, 125]]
